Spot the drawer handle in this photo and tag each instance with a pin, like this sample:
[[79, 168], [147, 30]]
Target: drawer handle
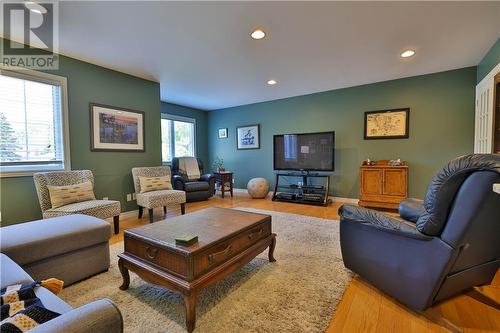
[[258, 233], [151, 252], [226, 251]]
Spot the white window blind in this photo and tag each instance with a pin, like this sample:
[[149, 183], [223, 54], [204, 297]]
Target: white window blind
[[177, 137], [31, 119]]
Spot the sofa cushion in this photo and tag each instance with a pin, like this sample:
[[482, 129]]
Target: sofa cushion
[[160, 198], [64, 195], [30, 242], [98, 208], [196, 186], [11, 273]]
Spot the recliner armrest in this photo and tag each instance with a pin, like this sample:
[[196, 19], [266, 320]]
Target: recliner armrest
[[178, 182], [207, 177], [101, 316], [411, 209], [383, 222]]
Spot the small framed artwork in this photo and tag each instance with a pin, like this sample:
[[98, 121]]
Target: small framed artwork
[[116, 129], [248, 137], [222, 133], [387, 124]]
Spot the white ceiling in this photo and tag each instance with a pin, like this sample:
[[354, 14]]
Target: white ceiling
[[202, 55]]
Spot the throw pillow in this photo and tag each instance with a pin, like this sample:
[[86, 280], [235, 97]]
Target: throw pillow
[[149, 184], [64, 195]]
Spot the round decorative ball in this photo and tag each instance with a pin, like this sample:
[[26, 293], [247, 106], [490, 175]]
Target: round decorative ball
[[258, 188]]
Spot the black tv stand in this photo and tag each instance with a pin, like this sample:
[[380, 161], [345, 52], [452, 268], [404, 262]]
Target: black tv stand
[[304, 193]]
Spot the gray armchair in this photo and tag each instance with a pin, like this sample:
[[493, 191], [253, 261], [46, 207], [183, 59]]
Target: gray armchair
[[437, 248]]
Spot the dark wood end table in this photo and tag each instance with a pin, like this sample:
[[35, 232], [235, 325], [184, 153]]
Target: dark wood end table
[[227, 240], [223, 177]]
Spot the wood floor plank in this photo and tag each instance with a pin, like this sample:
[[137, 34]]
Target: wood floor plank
[[363, 308]]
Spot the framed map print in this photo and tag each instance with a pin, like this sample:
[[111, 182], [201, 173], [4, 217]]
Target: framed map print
[[116, 129], [387, 124]]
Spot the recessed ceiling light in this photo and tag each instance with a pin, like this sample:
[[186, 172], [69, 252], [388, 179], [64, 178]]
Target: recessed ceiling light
[[271, 82], [258, 34], [407, 53], [35, 8]]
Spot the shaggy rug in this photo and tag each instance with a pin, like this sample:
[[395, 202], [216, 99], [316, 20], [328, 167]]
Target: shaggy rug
[[297, 293]]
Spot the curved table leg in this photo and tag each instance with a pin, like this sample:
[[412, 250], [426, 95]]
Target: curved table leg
[[125, 275], [271, 249], [190, 306]]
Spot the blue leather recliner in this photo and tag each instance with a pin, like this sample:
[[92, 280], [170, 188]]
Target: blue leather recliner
[[438, 247]]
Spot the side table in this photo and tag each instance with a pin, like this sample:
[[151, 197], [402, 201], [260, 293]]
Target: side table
[[222, 178]]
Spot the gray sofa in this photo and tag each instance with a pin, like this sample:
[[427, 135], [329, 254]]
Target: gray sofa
[[101, 316], [70, 248]]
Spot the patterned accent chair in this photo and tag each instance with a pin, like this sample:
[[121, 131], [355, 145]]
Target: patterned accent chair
[[155, 199], [99, 208]]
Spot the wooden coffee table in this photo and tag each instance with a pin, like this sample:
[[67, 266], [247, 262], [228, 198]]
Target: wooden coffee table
[[227, 240]]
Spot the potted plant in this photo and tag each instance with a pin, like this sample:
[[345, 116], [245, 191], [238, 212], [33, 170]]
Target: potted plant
[[219, 164]]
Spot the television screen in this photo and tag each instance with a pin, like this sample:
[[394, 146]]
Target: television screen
[[308, 151]]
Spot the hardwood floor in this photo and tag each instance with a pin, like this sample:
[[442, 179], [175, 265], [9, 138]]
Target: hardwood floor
[[363, 308]]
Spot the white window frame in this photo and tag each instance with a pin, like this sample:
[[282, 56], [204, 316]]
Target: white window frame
[[172, 134], [24, 170]]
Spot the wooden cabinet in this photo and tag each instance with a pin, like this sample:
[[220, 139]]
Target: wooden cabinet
[[383, 185]]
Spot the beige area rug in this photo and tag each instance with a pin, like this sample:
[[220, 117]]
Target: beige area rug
[[297, 293]]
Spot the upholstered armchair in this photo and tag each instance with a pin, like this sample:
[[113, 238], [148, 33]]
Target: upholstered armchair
[[197, 184], [156, 198], [99, 208], [446, 244]]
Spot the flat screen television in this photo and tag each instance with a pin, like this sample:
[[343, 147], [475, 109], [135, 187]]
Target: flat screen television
[[307, 151]]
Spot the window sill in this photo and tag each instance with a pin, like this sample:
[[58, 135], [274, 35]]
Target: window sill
[[27, 171]]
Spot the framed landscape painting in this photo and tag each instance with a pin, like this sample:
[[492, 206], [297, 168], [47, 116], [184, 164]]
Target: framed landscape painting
[[248, 137], [387, 124], [116, 129]]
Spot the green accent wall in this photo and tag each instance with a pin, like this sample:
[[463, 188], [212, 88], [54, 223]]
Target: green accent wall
[[490, 60], [201, 125], [441, 128], [112, 170]]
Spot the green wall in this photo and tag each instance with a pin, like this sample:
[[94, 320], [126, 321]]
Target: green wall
[[490, 60], [441, 128], [201, 125], [112, 170]]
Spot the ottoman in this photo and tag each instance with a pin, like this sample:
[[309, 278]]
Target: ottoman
[[258, 188], [70, 248]]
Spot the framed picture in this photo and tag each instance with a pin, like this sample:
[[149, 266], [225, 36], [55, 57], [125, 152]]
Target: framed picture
[[116, 129], [222, 133], [248, 137], [387, 124]]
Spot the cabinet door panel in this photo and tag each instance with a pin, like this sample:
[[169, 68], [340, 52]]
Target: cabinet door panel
[[394, 182], [371, 182]]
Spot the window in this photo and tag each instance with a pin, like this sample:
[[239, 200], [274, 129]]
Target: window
[[177, 137], [33, 123]]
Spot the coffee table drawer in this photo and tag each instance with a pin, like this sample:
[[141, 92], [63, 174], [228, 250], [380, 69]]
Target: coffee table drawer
[[217, 254], [166, 260]]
